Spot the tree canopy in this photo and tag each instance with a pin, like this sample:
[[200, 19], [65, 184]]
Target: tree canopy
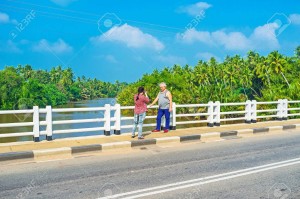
[[236, 79], [23, 87]]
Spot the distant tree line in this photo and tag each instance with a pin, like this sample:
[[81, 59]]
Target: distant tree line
[[236, 79], [22, 87]]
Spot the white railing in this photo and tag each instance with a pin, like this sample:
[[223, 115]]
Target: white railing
[[111, 117]]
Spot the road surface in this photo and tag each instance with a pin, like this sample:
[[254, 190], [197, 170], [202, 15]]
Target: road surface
[[264, 166]]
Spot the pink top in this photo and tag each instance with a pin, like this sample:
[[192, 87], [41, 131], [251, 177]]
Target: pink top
[[140, 104]]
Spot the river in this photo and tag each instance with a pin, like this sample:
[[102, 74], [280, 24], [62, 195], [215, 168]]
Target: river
[[11, 118]]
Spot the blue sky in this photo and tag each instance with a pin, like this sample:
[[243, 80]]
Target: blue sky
[[121, 40]]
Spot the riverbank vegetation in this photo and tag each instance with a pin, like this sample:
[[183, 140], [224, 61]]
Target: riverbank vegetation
[[22, 87], [236, 79]]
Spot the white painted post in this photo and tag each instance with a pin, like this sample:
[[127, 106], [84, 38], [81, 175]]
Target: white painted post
[[248, 112], [117, 115], [253, 111], [107, 120], [173, 119], [217, 114], [210, 111], [36, 124], [49, 130], [285, 109], [280, 109]]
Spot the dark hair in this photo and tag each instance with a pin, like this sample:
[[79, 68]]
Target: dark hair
[[140, 90]]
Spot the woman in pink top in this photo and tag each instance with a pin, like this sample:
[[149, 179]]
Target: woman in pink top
[[140, 100]]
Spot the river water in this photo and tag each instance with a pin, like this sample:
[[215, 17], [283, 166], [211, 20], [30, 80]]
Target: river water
[[11, 118]]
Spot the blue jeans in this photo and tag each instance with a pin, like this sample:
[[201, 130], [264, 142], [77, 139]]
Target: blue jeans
[[160, 113], [138, 122]]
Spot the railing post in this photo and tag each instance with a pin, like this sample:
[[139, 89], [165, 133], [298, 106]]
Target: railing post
[[36, 124], [217, 114], [280, 109], [253, 111], [248, 112], [285, 109], [107, 120], [210, 111], [173, 121], [117, 115], [49, 130]]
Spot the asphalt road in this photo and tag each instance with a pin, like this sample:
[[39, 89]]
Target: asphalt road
[[265, 166]]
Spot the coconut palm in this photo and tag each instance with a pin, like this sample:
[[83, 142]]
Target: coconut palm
[[277, 64]]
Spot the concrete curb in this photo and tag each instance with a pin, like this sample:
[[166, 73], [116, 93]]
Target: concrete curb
[[143, 142], [261, 130], [53, 154], [244, 132], [116, 145], [174, 139], [210, 136], [228, 133], [68, 152], [189, 138], [86, 148], [25, 155], [286, 127], [276, 128]]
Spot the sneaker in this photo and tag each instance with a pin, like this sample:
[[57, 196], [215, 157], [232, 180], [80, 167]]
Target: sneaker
[[155, 130], [166, 130], [133, 136], [141, 138]]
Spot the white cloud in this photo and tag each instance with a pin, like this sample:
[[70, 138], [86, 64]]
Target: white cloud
[[195, 9], [111, 59], [192, 35], [24, 42], [170, 59], [56, 47], [231, 40], [10, 47], [206, 56], [63, 2], [131, 37], [262, 37], [4, 18], [295, 19]]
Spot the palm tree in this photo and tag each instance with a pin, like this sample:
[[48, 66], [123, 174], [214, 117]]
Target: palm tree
[[262, 70], [56, 74], [230, 71], [297, 52], [277, 64]]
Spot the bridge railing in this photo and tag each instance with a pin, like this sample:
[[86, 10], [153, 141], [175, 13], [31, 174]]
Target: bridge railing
[[110, 118]]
